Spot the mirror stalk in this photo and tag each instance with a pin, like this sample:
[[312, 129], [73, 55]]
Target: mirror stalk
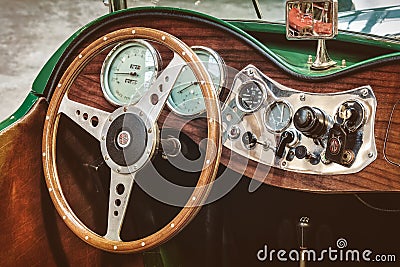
[[115, 5]]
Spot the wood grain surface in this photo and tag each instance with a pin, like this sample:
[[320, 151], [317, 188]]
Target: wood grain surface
[[32, 232]]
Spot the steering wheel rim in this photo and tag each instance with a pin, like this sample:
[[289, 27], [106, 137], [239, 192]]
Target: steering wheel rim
[[212, 156]]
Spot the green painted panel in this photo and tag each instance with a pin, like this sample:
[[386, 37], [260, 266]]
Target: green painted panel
[[28, 103], [295, 59]]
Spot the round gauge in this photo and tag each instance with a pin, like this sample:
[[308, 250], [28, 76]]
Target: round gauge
[[128, 71], [278, 116], [250, 97], [186, 98]]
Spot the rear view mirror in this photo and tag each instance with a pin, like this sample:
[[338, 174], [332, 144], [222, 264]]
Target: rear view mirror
[[311, 19]]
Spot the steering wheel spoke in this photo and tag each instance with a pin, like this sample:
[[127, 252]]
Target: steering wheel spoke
[[88, 118], [155, 98], [120, 190]]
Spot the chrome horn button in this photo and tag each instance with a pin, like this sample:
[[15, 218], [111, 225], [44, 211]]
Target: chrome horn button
[[128, 140], [123, 139]]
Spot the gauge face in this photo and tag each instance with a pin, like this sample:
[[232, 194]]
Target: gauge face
[[250, 96], [186, 98], [278, 116], [128, 72]]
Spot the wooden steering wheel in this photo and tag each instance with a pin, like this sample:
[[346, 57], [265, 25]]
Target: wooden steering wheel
[[141, 119]]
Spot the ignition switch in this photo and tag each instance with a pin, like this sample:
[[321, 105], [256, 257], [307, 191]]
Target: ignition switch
[[346, 136]]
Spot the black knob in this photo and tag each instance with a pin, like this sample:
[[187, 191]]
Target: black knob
[[286, 138], [300, 152], [311, 121], [249, 140], [314, 159]]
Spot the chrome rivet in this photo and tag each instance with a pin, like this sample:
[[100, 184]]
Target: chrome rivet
[[118, 170], [183, 53], [343, 63], [115, 247], [283, 164], [141, 113], [105, 38], [309, 60], [370, 154], [64, 217], [143, 244], [50, 189], [106, 157], [59, 85], [86, 237], [133, 31], [208, 161], [172, 225], [47, 118], [193, 198], [149, 130], [163, 38], [302, 97], [103, 138], [135, 167], [80, 56], [44, 154], [364, 92]]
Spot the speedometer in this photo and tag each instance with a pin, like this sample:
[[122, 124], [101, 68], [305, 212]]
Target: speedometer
[[128, 71], [186, 98]]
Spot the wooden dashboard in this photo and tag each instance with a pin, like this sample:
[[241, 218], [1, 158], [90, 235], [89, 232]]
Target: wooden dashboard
[[238, 52]]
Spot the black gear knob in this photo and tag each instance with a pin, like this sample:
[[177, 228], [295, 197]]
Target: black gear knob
[[311, 121]]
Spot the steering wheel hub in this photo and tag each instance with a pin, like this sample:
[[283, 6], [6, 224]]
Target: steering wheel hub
[[127, 141]]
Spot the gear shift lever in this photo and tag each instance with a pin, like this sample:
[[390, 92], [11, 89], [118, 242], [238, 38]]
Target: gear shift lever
[[303, 228]]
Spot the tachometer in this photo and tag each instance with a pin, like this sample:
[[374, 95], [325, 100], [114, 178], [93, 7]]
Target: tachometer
[[128, 71], [186, 98]]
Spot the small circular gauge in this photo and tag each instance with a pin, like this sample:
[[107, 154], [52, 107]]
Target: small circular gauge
[[278, 116], [186, 98], [250, 97], [128, 71]]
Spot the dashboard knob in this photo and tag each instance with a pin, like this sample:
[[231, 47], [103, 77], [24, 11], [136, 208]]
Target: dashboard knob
[[249, 140], [311, 121], [286, 138], [300, 152]]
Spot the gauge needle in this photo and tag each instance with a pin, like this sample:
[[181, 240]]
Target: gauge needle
[[282, 110], [128, 73], [187, 86]]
